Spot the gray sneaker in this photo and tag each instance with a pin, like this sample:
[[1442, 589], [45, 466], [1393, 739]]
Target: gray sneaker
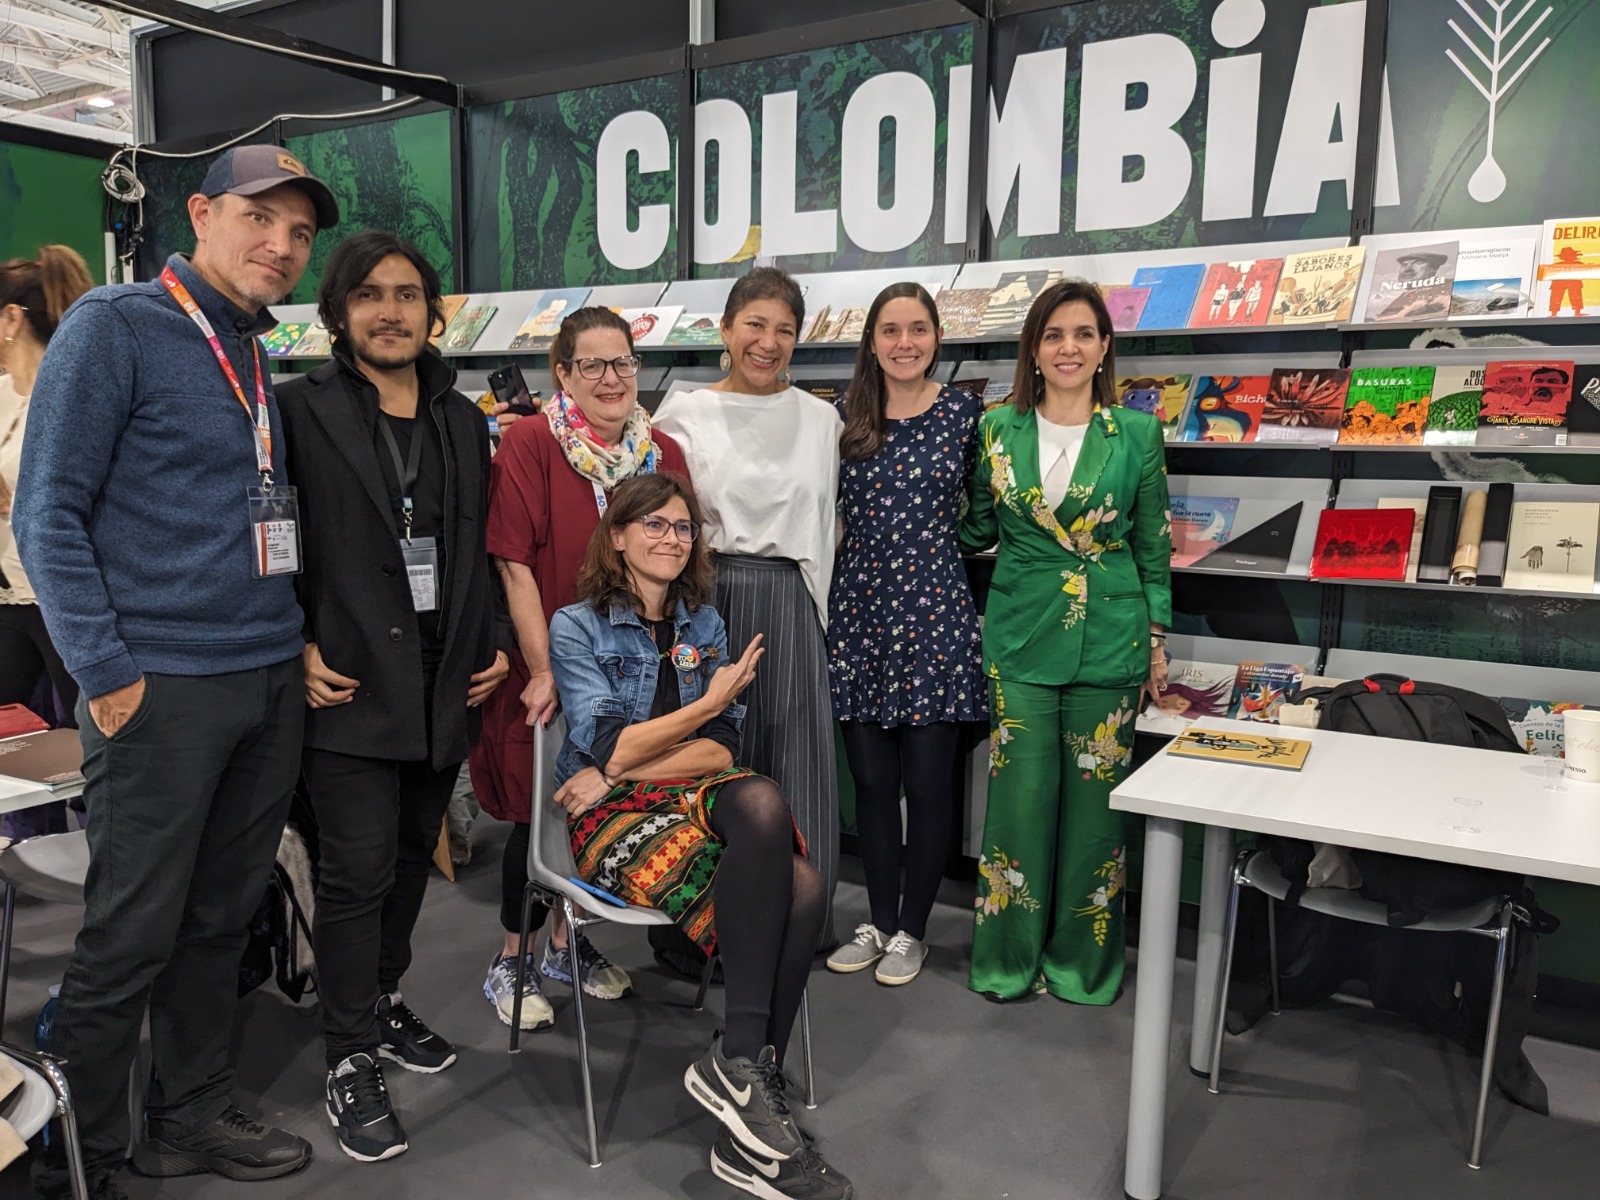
[[747, 1097], [860, 952], [901, 961]]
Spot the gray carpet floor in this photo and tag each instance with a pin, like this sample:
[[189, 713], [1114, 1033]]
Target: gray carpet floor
[[926, 1090]]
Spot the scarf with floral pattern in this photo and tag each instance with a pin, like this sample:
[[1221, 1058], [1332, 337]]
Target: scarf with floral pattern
[[597, 462]]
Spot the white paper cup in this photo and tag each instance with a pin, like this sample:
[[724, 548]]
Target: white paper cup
[[1581, 727]]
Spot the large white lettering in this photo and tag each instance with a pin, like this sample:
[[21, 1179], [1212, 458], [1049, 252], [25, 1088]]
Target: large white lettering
[[1025, 144], [1326, 90], [907, 101], [784, 229], [644, 134], [1109, 132], [958, 152], [725, 123], [1233, 106]]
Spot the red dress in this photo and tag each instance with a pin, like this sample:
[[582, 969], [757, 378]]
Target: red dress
[[541, 514]]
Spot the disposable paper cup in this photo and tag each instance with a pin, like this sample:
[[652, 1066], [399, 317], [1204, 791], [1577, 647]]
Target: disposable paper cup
[[1582, 729]]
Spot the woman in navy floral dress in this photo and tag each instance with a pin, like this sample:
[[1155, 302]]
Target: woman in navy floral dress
[[903, 642]]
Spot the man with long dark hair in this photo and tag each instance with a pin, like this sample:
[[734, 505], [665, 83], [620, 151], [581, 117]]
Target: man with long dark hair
[[402, 634]]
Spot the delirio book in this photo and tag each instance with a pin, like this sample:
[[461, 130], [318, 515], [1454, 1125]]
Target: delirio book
[[1304, 404], [1363, 543], [1525, 404], [1412, 284], [1568, 275], [1236, 293], [1246, 749], [1318, 287], [1225, 408], [1386, 406]]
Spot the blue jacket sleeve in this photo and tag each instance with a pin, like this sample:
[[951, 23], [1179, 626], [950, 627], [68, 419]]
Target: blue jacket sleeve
[[726, 728], [80, 406], [587, 697]]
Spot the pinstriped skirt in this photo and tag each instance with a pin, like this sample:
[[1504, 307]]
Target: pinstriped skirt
[[788, 724]]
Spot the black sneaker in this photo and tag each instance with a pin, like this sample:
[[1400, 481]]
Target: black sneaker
[[233, 1146], [748, 1098], [358, 1106], [404, 1039], [807, 1176]]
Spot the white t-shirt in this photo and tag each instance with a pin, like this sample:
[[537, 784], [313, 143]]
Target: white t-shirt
[[13, 417], [766, 472], [1059, 447]]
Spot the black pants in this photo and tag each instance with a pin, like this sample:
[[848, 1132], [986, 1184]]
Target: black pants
[[186, 804], [922, 760], [378, 824], [26, 654], [514, 878]]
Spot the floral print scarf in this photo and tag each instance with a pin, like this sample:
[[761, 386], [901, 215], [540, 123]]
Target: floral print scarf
[[603, 465]]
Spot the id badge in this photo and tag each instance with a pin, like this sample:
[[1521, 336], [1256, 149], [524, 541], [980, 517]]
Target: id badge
[[274, 531], [422, 571]]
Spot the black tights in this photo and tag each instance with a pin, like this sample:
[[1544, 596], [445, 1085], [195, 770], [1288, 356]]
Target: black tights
[[922, 759], [769, 913]]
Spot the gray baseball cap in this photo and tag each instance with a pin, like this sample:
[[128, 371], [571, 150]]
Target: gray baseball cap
[[251, 170]]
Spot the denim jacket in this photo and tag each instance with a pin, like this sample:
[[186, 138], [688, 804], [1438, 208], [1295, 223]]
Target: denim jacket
[[605, 666]]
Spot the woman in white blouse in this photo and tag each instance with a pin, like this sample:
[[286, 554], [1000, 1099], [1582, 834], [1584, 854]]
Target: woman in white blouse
[[765, 459]]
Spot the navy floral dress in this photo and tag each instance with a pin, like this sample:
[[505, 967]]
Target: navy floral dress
[[903, 640]]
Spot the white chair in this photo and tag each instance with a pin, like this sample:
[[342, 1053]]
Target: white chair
[[50, 867], [550, 872], [1491, 918], [43, 1094]]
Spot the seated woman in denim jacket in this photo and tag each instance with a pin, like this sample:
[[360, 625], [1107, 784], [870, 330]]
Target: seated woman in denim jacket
[[660, 815]]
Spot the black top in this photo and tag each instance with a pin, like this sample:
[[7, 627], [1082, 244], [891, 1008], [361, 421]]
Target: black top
[[666, 700], [427, 509]]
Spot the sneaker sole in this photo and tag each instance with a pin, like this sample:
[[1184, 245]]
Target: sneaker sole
[[385, 1052], [714, 1104], [897, 981], [852, 968], [170, 1164], [505, 1017], [592, 993], [754, 1184], [399, 1148]]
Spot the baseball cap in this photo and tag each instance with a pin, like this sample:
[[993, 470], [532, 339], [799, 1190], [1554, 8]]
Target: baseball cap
[[251, 170]]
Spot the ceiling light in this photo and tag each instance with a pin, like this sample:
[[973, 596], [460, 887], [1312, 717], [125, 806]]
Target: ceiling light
[[102, 102]]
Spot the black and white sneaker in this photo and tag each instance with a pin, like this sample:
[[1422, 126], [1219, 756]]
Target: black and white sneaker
[[807, 1176], [404, 1039], [358, 1106], [747, 1097]]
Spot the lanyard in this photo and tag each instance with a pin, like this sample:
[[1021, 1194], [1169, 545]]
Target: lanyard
[[261, 419], [406, 472], [648, 467]]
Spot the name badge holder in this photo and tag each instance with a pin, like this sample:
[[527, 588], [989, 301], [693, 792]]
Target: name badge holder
[[420, 554]]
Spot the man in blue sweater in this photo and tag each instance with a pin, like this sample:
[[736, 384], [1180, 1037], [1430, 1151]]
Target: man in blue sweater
[[162, 552]]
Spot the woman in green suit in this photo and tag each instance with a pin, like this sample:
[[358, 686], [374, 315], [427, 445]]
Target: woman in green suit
[[1074, 490]]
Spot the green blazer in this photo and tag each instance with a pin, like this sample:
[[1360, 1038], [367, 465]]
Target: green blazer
[[1074, 589]]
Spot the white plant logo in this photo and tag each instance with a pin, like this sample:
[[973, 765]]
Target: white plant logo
[[1488, 181]]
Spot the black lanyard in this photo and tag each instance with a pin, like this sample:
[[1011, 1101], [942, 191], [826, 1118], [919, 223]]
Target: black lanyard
[[407, 471]]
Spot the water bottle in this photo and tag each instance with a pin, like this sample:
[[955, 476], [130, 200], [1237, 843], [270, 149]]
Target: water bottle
[[47, 1019]]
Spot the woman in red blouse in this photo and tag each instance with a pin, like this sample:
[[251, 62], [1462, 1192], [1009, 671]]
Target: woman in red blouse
[[548, 485]]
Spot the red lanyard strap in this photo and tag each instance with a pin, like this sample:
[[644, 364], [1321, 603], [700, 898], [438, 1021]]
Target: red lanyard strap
[[260, 419]]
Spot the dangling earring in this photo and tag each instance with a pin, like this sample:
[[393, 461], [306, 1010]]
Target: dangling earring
[[1100, 368], [786, 377], [726, 361]]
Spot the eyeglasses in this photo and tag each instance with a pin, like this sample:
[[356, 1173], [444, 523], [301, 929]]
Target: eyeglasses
[[594, 368], [655, 528]]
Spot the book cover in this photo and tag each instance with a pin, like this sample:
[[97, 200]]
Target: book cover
[[1386, 406], [849, 326], [1538, 724], [316, 342], [1552, 546], [1263, 548], [1583, 411], [1412, 284], [1172, 292], [961, 311], [1318, 287], [1199, 525], [1225, 408], [1494, 279], [696, 329], [1163, 396], [831, 390], [997, 390], [280, 341], [1567, 278], [1525, 404], [550, 308], [1247, 749], [973, 385], [1419, 510], [1304, 404], [1363, 543], [821, 325], [449, 306], [1126, 306], [1496, 536], [1236, 293], [1453, 410], [1440, 521], [467, 328], [52, 759], [1260, 689], [650, 326], [1008, 303], [1197, 690]]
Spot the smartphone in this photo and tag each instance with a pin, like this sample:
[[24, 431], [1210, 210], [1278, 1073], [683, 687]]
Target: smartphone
[[509, 387], [599, 893]]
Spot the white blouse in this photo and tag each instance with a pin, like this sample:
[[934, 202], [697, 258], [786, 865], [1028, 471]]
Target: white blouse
[[766, 472], [13, 418], [1059, 447]]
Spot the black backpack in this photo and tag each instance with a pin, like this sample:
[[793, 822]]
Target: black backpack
[[1395, 707]]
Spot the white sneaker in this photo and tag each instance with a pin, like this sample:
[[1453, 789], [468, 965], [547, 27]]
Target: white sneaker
[[501, 989], [901, 961], [860, 952]]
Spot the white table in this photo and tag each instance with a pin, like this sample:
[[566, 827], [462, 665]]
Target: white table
[[25, 793], [1366, 792]]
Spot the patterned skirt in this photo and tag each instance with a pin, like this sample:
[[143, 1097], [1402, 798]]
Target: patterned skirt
[[651, 843]]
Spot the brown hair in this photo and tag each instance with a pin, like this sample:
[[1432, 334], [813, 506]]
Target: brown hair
[[603, 575], [44, 287], [582, 320], [1027, 388], [765, 283], [864, 422]]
